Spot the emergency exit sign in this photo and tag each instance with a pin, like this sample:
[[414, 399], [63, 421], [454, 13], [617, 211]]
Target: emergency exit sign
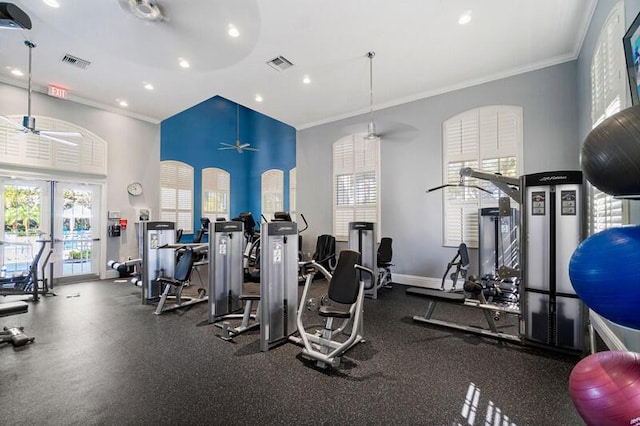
[[57, 92]]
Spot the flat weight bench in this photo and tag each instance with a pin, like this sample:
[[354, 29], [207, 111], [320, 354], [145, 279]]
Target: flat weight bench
[[434, 296], [13, 308]]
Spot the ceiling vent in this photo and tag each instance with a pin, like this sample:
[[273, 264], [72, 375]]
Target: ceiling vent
[[75, 61], [280, 63]]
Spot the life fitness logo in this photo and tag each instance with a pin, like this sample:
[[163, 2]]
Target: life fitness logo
[[548, 178]]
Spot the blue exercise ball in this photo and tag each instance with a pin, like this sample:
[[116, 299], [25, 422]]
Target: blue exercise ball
[[604, 272], [610, 154]]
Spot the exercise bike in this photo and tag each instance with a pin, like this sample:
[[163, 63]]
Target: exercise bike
[[28, 282]]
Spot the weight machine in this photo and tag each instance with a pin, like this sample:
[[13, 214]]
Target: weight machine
[[226, 280], [344, 301], [533, 257]]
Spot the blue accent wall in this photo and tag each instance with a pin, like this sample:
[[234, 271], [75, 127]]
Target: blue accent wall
[[194, 135]]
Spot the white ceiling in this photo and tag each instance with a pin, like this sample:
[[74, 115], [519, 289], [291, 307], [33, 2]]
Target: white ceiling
[[421, 50]]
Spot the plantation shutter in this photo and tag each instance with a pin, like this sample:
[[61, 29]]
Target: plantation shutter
[[293, 186], [215, 193], [272, 192], [89, 155], [176, 194], [607, 98], [356, 171], [487, 139]]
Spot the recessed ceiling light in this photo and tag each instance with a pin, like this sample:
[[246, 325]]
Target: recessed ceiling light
[[184, 63], [122, 102], [148, 86], [17, 72], [306, 80], [51, 3], [465, 18], [233, 31], [259, 98]]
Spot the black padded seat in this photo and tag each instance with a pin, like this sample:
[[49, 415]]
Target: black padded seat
[[13, 308], [183, 269], [333, 312], [344, 285], [385, 253]]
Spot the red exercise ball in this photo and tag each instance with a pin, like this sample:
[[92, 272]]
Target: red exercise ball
[[605, 388]]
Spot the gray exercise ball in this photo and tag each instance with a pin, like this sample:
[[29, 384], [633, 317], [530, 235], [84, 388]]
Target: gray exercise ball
[[610, 155]]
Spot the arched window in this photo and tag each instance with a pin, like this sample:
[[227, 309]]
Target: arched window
[[356, 183], [272, 192], [293, 185], [176, 194], [88, 155], [487, 139], [216, 185]]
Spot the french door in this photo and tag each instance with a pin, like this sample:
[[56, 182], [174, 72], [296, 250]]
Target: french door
[[25, 220], [66, 214], [76, 230]]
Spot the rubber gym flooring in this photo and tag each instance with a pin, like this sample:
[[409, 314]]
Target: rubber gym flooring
[[101, 357]]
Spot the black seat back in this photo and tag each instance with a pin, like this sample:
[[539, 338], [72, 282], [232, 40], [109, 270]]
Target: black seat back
[[325, 249], [385, 252], [464, 254], [344, 284], [185, 265], [281, 217], [197, 235]]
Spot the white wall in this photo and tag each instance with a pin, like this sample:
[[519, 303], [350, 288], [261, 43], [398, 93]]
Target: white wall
[[410, 216], [133, 154]]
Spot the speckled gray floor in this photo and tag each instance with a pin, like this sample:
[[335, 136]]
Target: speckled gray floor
[[101, 357]]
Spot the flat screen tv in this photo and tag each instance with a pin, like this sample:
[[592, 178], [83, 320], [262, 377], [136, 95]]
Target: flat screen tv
[[631, 43]]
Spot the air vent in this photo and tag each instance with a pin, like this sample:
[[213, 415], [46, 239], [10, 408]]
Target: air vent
[[280, 63], [75, 61]]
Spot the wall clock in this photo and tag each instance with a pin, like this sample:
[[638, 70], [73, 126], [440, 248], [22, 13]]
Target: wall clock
[[134, 188]]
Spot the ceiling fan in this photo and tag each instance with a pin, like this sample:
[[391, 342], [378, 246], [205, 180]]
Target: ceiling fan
[[29, 122], [385, 130], [238, 146]]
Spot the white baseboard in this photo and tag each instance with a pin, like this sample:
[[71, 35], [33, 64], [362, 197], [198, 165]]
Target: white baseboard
[[110, 274], [607, 335]]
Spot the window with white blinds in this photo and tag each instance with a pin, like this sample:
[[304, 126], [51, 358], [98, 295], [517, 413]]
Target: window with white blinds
[[608, 86], [272, 192], [488, 139], [176, 194], [89, 155], [356, 176], [216, 186], [293, 185]]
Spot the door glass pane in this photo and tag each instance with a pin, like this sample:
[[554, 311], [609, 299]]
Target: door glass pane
[[22, 220], [77, 241]]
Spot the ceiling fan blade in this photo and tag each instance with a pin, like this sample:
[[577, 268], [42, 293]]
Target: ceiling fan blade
[[398, 131], [226, 148], [250, 149], [244, 145], [63, 134], [57, 139], [13, 123], [227, 145]]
